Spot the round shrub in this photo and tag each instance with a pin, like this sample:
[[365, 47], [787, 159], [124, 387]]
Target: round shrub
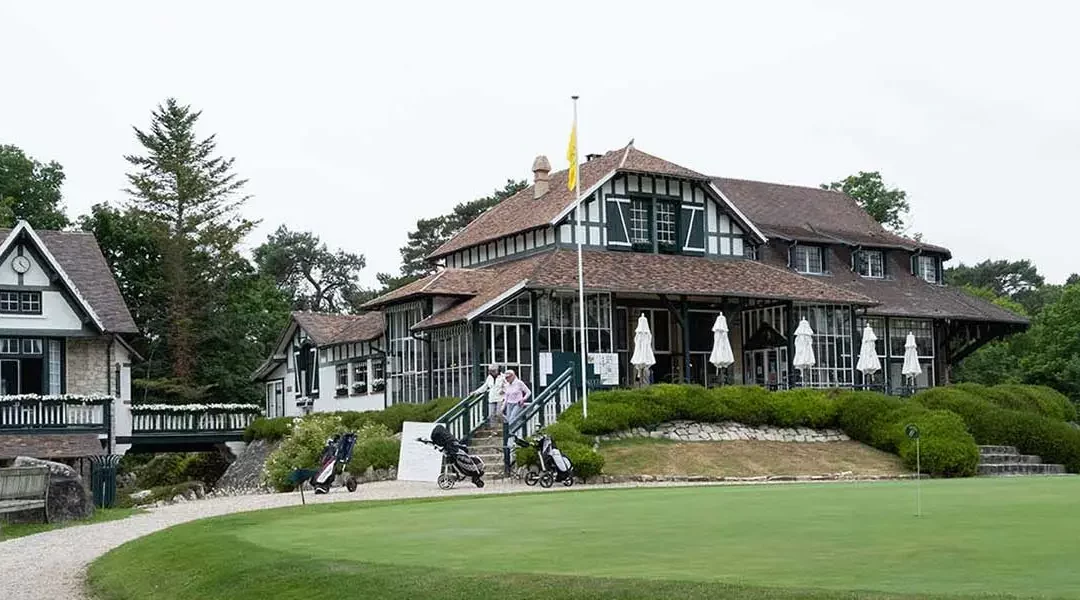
[[377, 453], [1040, 399], [945, 447], [858, 413], [162, 470], [562, 433], [301, 449], [587, 462]]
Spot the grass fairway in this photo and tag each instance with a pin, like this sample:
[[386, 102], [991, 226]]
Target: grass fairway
[[976, 537]]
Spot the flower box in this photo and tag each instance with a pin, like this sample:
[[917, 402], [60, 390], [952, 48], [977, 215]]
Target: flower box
[[359, 387], [56, 399], [196, 408], [378, 385], [341, 390]]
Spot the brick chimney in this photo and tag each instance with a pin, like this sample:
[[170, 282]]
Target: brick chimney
[[541, 176]]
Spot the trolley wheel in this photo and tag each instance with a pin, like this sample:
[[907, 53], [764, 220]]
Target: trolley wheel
[[446, 481], [531, 478], [478, 482], [569, 481], [547, 479], [320, 490], [351, 483]]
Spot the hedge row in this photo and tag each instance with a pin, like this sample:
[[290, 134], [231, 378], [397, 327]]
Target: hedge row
[[391, 418], [1030, 431], [1037, 399], [947, 448]]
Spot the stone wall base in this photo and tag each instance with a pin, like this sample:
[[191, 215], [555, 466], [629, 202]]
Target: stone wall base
[[691, 431]]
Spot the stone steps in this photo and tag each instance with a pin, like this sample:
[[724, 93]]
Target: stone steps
[[1002, 461]]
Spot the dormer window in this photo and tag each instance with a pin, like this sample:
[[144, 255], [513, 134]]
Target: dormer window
[[871, 263], [640, 229], [809, 260], [927, 269]]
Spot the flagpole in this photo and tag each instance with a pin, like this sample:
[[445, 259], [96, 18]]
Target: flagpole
[[578, 234]]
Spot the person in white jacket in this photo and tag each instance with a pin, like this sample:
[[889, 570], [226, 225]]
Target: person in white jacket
[[494, 385]]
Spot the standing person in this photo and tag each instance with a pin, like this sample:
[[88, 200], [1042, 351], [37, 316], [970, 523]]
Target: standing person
[[495, 386], [515, 394]]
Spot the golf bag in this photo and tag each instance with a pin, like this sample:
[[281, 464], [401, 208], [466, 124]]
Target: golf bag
[[554, 466], [337, 453], [458, 464]]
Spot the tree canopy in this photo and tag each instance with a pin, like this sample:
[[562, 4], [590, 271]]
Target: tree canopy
[[30, 190], [311, 275], [887, 206]]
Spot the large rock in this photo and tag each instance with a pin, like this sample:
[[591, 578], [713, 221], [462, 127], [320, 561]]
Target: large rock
[[69, 498], [245, 473]]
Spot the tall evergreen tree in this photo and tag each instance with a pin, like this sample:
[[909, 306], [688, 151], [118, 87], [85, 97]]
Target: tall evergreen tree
[[182, 185]]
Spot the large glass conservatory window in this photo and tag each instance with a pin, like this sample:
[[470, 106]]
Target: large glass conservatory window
[[559, 322], [509, 345], [832, 344], [451, 362], [408, 364], [924, 341]]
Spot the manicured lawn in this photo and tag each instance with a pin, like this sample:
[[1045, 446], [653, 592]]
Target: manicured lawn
[[976, 537], [8, 532], [650, 456]]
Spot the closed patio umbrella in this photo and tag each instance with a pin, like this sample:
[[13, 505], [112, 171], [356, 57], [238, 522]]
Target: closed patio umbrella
[[721, 356], [642, 358], [804, 346], [869, 363], [911, 368]]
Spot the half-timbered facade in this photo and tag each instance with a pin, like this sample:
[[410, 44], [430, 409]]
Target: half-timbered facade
[[678, 247], [325, 363]]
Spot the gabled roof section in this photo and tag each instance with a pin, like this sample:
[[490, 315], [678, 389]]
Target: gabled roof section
[[447, 282], [522, 212], [326, 329], [813, 215], [77, 260]]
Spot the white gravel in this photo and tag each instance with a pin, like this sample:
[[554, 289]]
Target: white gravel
[[52, 565]]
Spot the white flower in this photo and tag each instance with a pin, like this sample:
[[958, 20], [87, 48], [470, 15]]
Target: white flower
[[193, 408], [64, 398]]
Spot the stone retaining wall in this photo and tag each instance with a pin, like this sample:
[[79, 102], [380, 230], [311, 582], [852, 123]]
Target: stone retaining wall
[[690, 431]]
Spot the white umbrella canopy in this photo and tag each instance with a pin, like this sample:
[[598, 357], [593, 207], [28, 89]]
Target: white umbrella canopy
[[869, 363], [804, 346], [643, 353], [721, 356], [911, 366]]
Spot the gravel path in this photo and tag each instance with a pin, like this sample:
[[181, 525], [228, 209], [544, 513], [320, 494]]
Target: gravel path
[[52, 565]]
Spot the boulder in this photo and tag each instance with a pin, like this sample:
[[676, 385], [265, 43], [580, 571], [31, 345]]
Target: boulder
[[69, 498], [141, 494]]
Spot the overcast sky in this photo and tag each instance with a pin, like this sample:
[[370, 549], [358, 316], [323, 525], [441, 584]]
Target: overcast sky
[[354, 119]]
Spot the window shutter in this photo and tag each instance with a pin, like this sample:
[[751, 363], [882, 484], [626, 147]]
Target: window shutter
[[915, 265], [824, 251], [884, 264], [692, 228], [791, 256], [617, 224]]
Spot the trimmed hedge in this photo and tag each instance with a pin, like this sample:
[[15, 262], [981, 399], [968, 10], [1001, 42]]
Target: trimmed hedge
[[377, 453], [1030, 432], [268, 429], [948, 450]]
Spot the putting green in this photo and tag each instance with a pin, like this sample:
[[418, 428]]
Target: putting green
[[979, 536]]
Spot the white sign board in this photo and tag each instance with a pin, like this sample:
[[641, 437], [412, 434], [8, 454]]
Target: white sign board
[[545, 368], [606, 366], [417, 461]]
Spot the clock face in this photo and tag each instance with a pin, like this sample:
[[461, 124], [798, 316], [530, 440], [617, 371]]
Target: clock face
[[21, 264]]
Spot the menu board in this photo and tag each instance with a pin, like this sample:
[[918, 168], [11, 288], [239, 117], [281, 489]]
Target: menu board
[[606, 367]]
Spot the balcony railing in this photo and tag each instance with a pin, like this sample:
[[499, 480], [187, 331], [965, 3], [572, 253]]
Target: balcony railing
[[67, 412], [192, 418]]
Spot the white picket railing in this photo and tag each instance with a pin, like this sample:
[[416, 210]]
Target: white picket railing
[[47, 413], [190, 422]]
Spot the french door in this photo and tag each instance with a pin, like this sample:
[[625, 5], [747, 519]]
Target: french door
[[509, 345]]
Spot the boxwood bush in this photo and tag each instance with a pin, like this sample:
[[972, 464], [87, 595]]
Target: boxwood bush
[[304, 446], [377, 453], [268, 429]]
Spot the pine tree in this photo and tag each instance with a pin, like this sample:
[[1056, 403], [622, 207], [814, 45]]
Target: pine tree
[[181, 183]]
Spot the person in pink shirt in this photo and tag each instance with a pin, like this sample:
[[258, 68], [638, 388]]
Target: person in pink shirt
[[515, 395]]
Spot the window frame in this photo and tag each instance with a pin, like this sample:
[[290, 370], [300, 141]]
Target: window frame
[[640, 204], [20, 302], [674, 209], [806, 271], [934, 263], [862, 260]]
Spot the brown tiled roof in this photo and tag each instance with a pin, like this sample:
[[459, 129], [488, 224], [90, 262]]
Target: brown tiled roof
[[80, 257], [329, 328], [630, 272], [49, 445], [521, 212], [448, 282], [812, 215]]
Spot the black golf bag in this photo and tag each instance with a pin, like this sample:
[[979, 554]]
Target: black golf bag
[[458, 464]]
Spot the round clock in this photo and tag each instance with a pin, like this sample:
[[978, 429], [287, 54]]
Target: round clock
[[20, 264]]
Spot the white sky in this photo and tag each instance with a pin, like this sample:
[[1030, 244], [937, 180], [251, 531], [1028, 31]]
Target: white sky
[[354, 119]]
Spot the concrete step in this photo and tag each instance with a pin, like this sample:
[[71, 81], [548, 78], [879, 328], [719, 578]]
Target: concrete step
[[1020, 469], [1000, 459], [998, 450]]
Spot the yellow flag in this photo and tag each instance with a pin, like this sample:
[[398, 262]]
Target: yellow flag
[[571, 155]]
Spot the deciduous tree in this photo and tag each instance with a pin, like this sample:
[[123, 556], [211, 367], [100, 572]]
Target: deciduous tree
[[887, 206], [310, 274], [30, 190]]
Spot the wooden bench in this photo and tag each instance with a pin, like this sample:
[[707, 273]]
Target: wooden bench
[[24, 489]]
